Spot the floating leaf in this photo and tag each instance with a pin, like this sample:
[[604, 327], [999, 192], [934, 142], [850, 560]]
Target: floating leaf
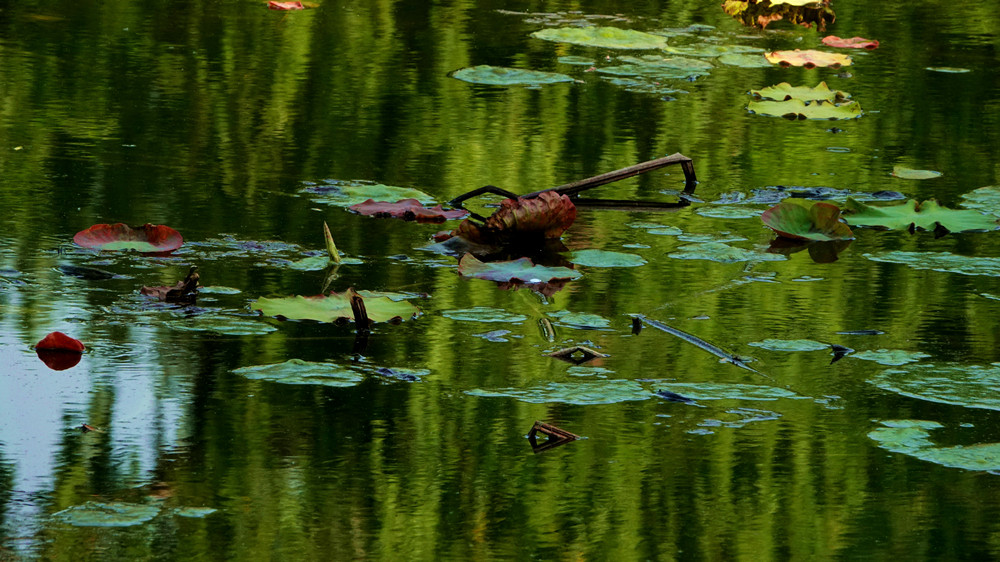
[[110, 514], [743, 60], [958, 384], [577, 61], [941, 261], [605, 258], [910, 437], [502, 76], [911, 214], [520, 271], [407, 209], [484, 314], [603, 37], [347, 193], [58, 341], [797, 109], [724, 253], [582, 393], [711, 50], [891, 356], [297, 371], [911, 174], [333, 307], [790, 345], [948, 69], [985, 199], [580, 320], [724, 391], [852, 43], [522, 220], [194, 512], [120, 236], [818, 221], [808, 58], [225, 324], [656, 62], [728, 212], [785, 91]]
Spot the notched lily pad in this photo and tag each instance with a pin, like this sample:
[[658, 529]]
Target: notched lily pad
[[521, 270], [346, 193], [723, 253], [603, 37], [796, 109], [333, 307], [297, 371], [503, 76], [107, 514], [809, 58], [911, 214], [605, 258], [151, 238], [810, 221], [912, 437], [971, 386], [785, 91]]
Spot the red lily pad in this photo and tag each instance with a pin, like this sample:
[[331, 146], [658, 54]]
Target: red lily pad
[[808, 58], [120, 236], [544, 217], [818, 221], [285, 6], [407, 209], [58, 341], [852, 43]]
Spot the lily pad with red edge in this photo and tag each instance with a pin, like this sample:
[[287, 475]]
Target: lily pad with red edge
[[334, 307], [809, 58], [852, 43], [58, 341], [911, 214], [407, 209], [818, 221], [522, 220], [272, 5], [521, 270], [120, 236]]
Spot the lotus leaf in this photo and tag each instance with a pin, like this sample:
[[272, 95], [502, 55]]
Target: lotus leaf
[[790, 345], [798, 109], [582, 393], [333, 307], [603, 37], [785, 91], [818, 221], [911, 214], [971, 386], [605, 258], [521, 270], [119, 236], [852, 43], [891, 356], [407, 209], [194, 512], [223, 324], [501, 76], [911, 174], [577, 61], [648, 72], [742, 60], [484, 314], [724, 253], [107, 514], [985, 199], [911, 437], [297, 371], [723, 237], [522, 220], [648, 85], [657, 62], [941, 261], [347, 193], [808, 58]]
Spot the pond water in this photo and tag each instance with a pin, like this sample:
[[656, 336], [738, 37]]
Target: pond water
[[224, 434]]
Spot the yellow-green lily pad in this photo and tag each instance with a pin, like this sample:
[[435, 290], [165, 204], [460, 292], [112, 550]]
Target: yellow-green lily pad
[[785, 91], [911, 214], [911, 174], [796, 109]]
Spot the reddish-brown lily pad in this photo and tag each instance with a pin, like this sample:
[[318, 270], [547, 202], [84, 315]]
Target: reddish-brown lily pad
[[817, 221], [120, 236], [407, 209], [808, 58], [58, 341], [544, 217], [285, 6], [852, 43]]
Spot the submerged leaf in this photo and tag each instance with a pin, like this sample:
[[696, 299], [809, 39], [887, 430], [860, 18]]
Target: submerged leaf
[[852, 43], [407, 209], [521, 270], [502, 76], [333, 307], [798, 109], [818, 221], [120, 236], [604, 37], [808, 58], [911, 214]]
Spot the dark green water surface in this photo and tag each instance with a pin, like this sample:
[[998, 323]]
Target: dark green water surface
[[212, 117]]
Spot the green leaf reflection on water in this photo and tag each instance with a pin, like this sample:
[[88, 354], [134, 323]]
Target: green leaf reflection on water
[[972, 386], [297, 371], [107, 514], [911, 437]]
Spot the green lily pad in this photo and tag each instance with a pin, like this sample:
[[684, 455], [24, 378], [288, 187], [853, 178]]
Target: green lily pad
[[484, 314], [712, 50], [926, 215], [581, 320], [582, 393], [785, 91], [985, 199], [798, 109], [605, 258], [347, 193], [807, 221], [743, 60], [665, 231], [521, 270], [941, 261], [724, 391], [646, 85], [218, 290], [656, 62], [332, 307], [194, 512], [912, 437], [911, 174], [502, 76], [577, 61], [724, 253], [790, 345], [971, 386], [890, 356], [603, 37], [107, 514], [724, 238], [728, 212], [225, 324], [297, 371], [649, 73]]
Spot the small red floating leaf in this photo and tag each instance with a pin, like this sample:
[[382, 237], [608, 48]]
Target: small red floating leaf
[[58, 360], [285, 6], [407, 209], [852, 43], [120, 236], [58, 341]]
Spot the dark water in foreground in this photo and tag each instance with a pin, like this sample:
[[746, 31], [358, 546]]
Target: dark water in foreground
[[212, 117]]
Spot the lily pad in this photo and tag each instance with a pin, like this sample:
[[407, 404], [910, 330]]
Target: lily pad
[[744, 60], [790, 345], [656, 62], [502, 76], [948, 69], [941, 261], [891, 356], [577, 61], [581, 320], [795, 109], [971, 386], [911, 437], [911, 174], [484, 314], [407, 209], [333, 307], [785, 91], [521, 270], [728, 212], [852, 43], [815, 221], [724, 253], [107, 514], [725, 391], [194, 512], [224, 324], [808, 58], [297, 371], [119, 236], [605, 258], [582, 393], [985, 199], [712, 50], [603, 37], [347, 193], [911, 214]]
